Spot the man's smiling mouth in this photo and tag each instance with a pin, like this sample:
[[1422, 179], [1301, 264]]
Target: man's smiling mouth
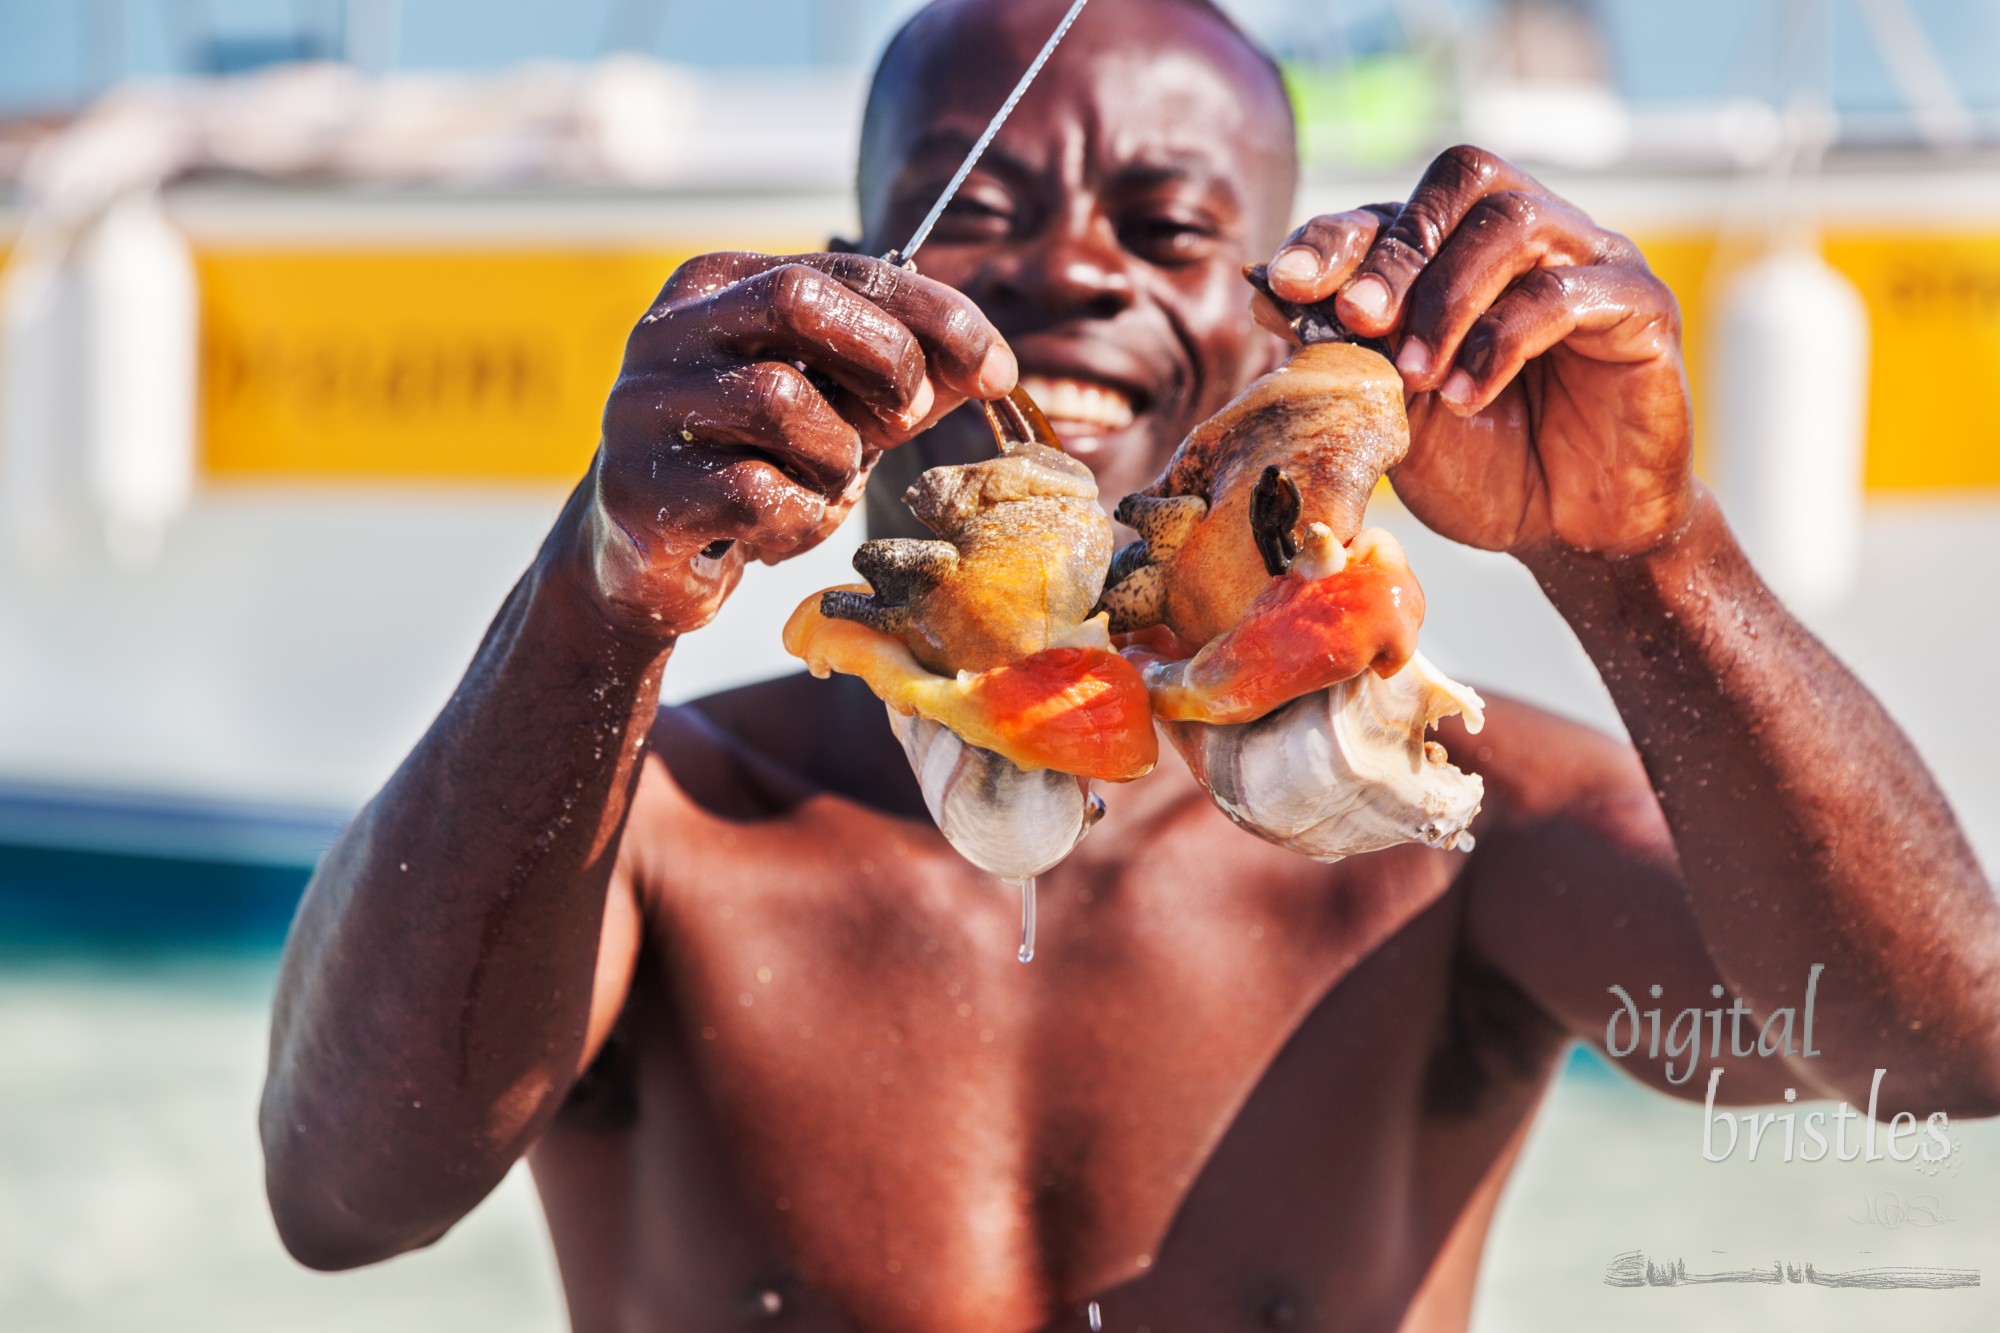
[[1080, 409]]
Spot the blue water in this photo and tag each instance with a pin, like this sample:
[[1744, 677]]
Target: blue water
[[63, 899]]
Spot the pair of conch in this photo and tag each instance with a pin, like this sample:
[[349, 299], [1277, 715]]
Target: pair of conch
[[1270, 636]]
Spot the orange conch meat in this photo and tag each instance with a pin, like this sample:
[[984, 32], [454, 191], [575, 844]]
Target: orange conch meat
[[1305, 631], [1080, 710]]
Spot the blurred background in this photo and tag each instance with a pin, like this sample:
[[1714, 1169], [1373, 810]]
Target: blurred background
[[307, 313]]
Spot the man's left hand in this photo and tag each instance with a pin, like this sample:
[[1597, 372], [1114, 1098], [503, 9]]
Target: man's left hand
[[1543, 358]]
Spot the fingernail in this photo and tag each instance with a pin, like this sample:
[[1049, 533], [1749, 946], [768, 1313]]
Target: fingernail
[[998, 371], [921, 401], [1295, 263], [1415, 358], [1458, 389], [1369, 295]]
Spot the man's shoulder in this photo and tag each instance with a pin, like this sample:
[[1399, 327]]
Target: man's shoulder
[[766, 742], [710, 743], [780, 720], [794, 692]]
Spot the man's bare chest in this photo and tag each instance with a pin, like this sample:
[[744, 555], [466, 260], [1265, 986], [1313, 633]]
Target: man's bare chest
[[1205, 1059]]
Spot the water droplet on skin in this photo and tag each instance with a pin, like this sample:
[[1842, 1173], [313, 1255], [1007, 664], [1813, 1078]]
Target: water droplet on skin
[[1026, 953], [1096, 1319]]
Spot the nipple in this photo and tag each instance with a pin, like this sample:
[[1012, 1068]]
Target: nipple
[[763, 1305]]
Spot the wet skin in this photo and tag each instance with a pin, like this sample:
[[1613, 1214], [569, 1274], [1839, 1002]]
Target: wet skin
[[762, 1034]]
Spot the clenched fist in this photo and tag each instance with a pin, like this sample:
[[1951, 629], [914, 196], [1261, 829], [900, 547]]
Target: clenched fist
[[756, 394], [1542, 358]]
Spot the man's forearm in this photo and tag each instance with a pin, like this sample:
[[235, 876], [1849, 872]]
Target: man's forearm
[[1808, 829], [433, 1001]]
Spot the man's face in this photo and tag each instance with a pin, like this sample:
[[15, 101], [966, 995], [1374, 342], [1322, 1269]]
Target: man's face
[[1105, 229]]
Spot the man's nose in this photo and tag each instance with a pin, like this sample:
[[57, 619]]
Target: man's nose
[[1071, 272]]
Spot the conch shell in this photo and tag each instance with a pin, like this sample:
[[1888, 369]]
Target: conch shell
[[1345, 769], [1007, 820], [1003, 688], [1277, 636]]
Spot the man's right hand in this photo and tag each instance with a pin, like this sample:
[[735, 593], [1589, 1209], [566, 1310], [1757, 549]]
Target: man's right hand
[[718, 448]]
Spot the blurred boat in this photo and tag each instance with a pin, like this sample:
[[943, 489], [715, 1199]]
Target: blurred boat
[[397, 379]]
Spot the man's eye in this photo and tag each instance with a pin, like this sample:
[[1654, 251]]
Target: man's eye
[[967, 217], [1167, 240]]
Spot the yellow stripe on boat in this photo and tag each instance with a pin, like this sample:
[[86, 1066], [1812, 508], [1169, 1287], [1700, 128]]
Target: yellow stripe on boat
[[468, 364]]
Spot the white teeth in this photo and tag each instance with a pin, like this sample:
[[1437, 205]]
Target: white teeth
[[1079, 403]]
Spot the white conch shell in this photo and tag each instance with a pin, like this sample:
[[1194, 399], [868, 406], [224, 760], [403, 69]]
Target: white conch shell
[[1346, 769], [1003, 818]]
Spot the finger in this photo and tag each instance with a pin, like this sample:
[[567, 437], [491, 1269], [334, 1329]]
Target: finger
[[796, 313], [724, 498], [965, 354], [968, 355], [1503, 236], [1319, 256], [726, 506], [1605, 312], [837, 509], [706, 274], [1459, 178], [768, 408]]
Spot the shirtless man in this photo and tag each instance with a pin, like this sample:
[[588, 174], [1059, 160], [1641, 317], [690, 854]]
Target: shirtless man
[[762, 1034]]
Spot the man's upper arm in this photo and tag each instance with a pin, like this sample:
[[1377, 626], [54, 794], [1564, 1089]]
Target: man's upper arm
[[1575, 887], [653, 823], [618, 944], [690, 767]]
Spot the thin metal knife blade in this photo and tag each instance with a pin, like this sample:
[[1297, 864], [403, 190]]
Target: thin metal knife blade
[[908, 250]]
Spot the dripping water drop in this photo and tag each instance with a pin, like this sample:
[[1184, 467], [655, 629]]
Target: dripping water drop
[[1096, 1319], [1027, 951]]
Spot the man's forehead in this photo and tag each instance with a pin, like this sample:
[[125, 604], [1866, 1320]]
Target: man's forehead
[[1160, 82]]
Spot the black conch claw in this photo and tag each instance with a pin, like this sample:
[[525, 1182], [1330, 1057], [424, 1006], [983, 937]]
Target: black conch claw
[[1310, 323], [1135, 592], [1274, 517], [839, 604], [900, 570]]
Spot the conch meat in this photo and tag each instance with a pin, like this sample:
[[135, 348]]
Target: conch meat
[[1276, 635], [1001, 684]]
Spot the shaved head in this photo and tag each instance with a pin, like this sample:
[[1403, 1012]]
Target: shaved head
[[948, 39]]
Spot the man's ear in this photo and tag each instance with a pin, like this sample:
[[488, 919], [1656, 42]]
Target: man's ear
[[840, 245]]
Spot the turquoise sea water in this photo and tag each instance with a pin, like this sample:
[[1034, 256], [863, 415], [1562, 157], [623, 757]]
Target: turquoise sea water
[[54, 899], [134, 996]]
